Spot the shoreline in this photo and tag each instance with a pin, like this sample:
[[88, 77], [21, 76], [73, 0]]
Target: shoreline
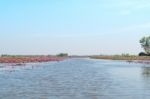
[[36, 59], [130, 59]]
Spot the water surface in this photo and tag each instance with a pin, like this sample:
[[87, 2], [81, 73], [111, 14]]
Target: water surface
[[76, 79]]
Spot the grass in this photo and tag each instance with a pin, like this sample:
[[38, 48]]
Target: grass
[[122, 57]]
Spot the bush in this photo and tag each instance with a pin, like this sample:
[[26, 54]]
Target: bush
[[62, 55], [143, 54]]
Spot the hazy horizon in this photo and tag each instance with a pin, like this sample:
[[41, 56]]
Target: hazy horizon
[[76, 27]]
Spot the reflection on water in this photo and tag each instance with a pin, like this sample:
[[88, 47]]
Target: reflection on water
[[146, 77], [146, 71], [75, 79]]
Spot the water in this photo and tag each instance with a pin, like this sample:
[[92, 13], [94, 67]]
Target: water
[[76, 79]]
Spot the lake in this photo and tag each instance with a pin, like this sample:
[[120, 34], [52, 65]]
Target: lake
[[75, 79]]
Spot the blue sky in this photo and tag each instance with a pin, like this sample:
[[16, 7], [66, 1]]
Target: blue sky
[[73, 26]]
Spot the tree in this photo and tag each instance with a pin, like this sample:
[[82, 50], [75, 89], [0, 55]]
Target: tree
[[62, 55], [145, 43]]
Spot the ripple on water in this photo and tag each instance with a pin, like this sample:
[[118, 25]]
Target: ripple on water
[[75, 79]]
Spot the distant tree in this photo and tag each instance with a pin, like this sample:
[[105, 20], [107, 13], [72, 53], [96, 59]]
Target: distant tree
[[123, 54], [62, 55], [145, 43], [4, 55]]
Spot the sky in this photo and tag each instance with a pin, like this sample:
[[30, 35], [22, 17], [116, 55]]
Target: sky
[[77, 27]]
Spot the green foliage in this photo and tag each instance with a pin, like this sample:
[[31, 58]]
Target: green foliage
[[145, 43], [62, 55], [5, 55]]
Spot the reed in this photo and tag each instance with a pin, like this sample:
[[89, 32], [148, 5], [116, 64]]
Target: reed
[[121, 57]]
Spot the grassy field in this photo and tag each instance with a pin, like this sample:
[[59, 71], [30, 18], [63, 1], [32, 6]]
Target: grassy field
[[121, 57]]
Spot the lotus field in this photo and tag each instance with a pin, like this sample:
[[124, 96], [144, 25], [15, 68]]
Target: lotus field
[[29, 59]]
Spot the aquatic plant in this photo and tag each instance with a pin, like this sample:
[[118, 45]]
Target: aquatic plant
[[28, 59]]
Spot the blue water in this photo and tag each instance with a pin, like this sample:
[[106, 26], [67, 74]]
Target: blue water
[[75, 79]]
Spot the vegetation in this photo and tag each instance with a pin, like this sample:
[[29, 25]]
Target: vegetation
[[6, 55], [122, 57], [62, 55], [5, 58], [28, 59], [145, 43]]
